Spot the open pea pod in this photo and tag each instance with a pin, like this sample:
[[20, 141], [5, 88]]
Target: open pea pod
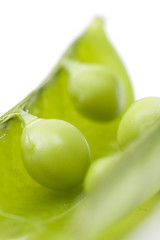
[[26, 208]]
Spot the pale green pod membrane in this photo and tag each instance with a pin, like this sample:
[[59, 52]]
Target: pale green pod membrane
[[95, 91], [55, 153], [142, 114]]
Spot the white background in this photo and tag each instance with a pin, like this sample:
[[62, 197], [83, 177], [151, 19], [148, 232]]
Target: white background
[[34, 34]]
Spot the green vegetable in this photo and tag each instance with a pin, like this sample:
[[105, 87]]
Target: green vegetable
[[95, 91], [28, 209], [54, 152], [140, 116], [97, 170]]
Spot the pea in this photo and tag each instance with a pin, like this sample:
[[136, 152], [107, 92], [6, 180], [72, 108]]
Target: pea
[[99, 169], [140, 116], [55, 153], [95, 91]]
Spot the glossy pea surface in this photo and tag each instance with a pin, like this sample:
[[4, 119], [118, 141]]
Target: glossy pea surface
[[96, 92], [140, 116], [55, 153]]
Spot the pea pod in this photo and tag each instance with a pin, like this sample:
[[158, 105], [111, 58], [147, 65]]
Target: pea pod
[[28, 209]]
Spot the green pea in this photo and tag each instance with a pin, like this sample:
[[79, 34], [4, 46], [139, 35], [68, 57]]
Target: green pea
[[99, 169], [95, 91], [140, 116], [55, 153]]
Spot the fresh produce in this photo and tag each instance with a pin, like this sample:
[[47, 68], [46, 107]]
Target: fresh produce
[[50, 139], [54, 152], [142, 115], [95, 91]]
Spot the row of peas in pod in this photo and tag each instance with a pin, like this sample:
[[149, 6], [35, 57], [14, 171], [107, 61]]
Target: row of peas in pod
[[56, 154]]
